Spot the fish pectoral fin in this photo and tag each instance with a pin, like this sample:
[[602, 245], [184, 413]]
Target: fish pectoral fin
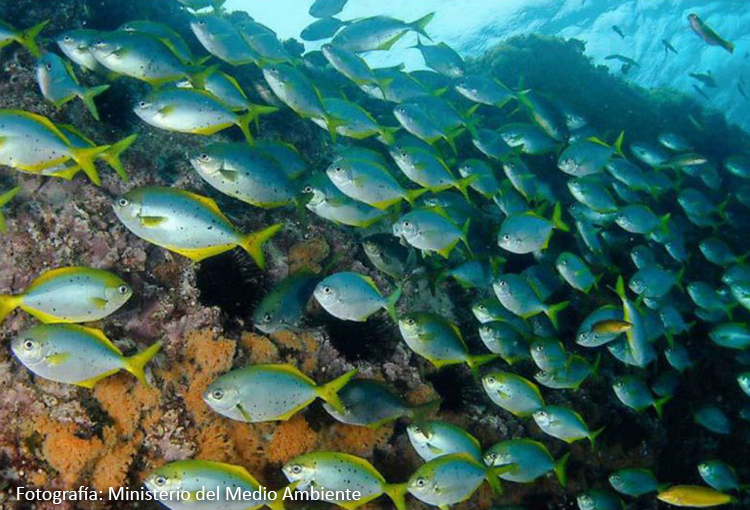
[[90, 383], [435, 449], [152, 221], [244, 413], [57, 359], [230, 175], [99, 303], [166, 110]]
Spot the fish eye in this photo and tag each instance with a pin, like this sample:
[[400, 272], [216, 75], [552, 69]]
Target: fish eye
[[123, 289], [48, 67], [296, 469], [307, 189], [160, 481], [327, 290], [338, 169], [29, 344], [421, 482], [217, 394], [267, 317], [143, 104], [539, 348], [491, 456], [99, 41], [410, 321], [202, 23], [542, 373], [506, 237], [407, 223], [123, 202], [491, 380], [204, 157], [66, 38]]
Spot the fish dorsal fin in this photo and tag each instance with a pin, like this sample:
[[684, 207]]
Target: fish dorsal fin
[[440, 212], [72, 129], [598, 141], [238, 471], [290, 370], [44, 121], [69, 68], [231, 79], [53, 274], [209, 203], [369, 281], [99, 335]]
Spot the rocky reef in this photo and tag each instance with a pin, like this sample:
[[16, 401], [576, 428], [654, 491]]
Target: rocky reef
[[58, 436]]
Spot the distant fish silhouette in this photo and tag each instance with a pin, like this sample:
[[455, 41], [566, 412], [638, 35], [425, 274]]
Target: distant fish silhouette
[[705, 78], [622, 58], [618, 31], [742, 90], [668, 47], [708, 34]]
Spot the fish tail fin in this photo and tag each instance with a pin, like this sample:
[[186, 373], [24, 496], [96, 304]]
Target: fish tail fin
[[476, 361], [593, 436], [413, 194], [729, 46], [450, 138], [462, 185], [7, 305], [618, 144], [557, 218], [420, 25], [27, 38], [620, 287], [553, 311], [88, 96], [678, 279], [664, 223], [388, 134], [199, 74], [4, 199], [333, 124], [330, 391], [419, 44], [112, 155], [218, 6], [659, 405], [562, 475], [390, 303], [397, 493], [597, 365], [84, 156], [465, 236], [253, 243], [136, 363]]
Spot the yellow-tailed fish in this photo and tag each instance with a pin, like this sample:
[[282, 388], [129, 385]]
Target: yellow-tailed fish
[[31, 143], [26, 38], [185, 223], [194, 111], [378, 32], [296, 91], [166, 35], [234, 484], [453, 479], [70, 294], [354, 297], [222, 40], [4, 199], [73, 354], [261, 393], [246, 173], [59, 84], [143, 57], [339, 472]]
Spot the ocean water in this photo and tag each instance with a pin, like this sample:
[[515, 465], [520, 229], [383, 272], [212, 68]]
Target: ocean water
[[509, 275]]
